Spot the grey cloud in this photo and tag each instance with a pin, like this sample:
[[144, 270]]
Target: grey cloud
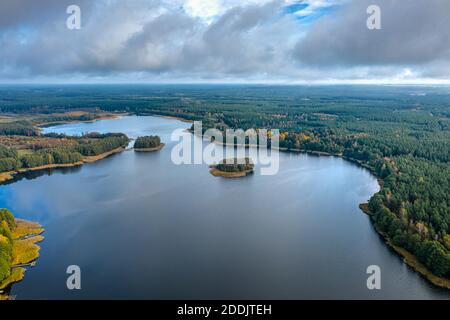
[[413, 32], [158, 46], [247, 42], [29, 13], [242, 40], [119, 38], [238, 42]]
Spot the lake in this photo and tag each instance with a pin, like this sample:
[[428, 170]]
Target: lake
[[141, 227]]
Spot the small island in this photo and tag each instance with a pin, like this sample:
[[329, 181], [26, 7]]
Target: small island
[[233, 168], [148, 144]]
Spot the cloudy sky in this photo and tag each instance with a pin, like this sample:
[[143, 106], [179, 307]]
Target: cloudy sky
[[258, 41]]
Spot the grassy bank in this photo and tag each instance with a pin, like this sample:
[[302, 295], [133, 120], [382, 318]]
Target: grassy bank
[[5, 176], [25, 250]]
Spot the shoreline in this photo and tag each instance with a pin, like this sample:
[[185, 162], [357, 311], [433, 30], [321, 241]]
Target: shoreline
[[171, 117], [408, 258], [58, 123], [178, 118], [280, 149], [90, 159], [158, 148], [225, 174], [10, 175]]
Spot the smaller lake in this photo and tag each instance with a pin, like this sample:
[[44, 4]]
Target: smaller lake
[[141, 227]]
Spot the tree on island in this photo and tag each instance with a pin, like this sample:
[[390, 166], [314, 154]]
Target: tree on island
[[237, 165], [147, 142]]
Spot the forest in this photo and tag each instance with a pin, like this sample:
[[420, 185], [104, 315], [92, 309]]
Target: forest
[[7, 224], [400, 133]]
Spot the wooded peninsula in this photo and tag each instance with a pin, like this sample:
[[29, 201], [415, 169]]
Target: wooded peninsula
[[24, 148]]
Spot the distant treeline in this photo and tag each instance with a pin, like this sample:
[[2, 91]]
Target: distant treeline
[[50, 119], [28, 128], [147, 142]]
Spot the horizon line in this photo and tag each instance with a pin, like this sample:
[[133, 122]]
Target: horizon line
[[343, 83]]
